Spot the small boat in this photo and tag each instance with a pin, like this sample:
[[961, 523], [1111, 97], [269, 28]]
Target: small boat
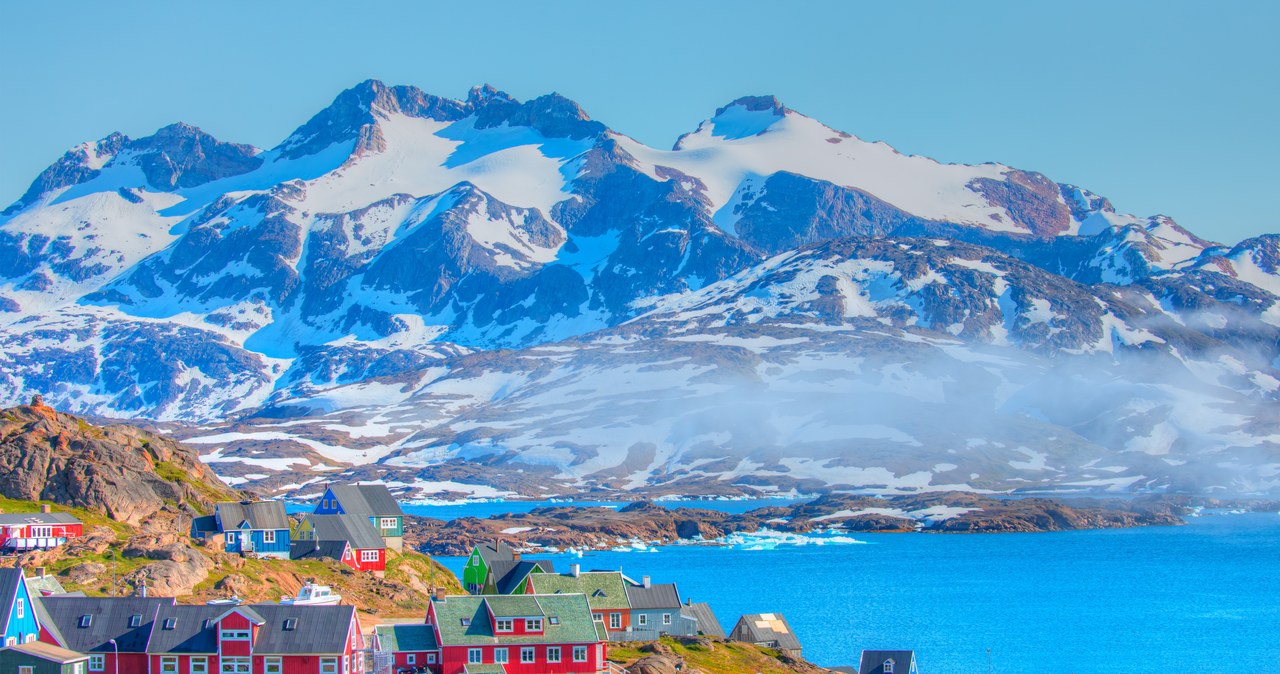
[[229, 601], [313, 595]]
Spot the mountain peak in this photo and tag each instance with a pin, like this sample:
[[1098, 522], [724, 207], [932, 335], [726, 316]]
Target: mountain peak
[[755, 104]]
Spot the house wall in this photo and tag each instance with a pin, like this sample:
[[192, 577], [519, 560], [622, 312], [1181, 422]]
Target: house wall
[[455, 659], [260, 546], [624, 618], [11, 660], [25, 628], [401, 659], [184, 663], [475, 574], [680, 625]]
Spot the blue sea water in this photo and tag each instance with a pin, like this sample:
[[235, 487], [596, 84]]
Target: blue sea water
[[1204, 597]]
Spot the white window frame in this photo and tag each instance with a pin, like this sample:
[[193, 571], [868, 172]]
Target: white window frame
[[368, 555], [887, 668], [500, 656], [272, 665], [28, 638], [666, 618], [475, 656], [431, 658], [505, 624], [236, 635], [615, 621], [598, 617], [20, 610], [410, 659], [579, 653], [386, 522], [26, 669], [328, 665], [168, 664], [553, 654], [642, 619], [198, 664], [533, 624], [235, 665], [11, 641], [528, 654], [97, 663], [269, 536]]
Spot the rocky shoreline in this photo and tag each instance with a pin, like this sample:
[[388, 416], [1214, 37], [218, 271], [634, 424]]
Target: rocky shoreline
[[646, 522]]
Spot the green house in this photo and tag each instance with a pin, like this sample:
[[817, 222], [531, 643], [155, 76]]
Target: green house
[[496, 568], [37, 657]]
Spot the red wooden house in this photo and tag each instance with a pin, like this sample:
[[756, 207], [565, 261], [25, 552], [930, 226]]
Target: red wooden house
[[351, 539], [20, 532], [156, 635], [515, 634]]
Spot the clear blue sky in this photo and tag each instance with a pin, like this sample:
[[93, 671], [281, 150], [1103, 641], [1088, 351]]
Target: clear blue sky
[[1165, 107]]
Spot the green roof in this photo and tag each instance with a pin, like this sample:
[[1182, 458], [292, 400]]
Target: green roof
[[515, 606], [572, 619], [409, 637], [485, 669], [604, 589]]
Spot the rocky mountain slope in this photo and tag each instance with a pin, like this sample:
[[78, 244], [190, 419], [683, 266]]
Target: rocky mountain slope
[[487, 296]]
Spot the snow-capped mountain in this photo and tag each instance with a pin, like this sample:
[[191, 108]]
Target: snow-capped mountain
[[510, 293]]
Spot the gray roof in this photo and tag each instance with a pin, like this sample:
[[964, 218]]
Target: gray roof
[[318, 629], [259, 514], [356, 529], [873, 661], [38, 518], [317, 549], [656, 596], [204, 525], [498, 551], [110, 621], [759, 628], [708, 624], [189, 633], [370, 500]]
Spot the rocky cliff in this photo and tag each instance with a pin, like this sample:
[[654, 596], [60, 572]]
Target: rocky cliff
[[120, 471]]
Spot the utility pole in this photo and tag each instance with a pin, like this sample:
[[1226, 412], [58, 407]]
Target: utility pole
[[988, 661]]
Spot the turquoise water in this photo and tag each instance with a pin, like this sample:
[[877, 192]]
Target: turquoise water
[[1204, 597]]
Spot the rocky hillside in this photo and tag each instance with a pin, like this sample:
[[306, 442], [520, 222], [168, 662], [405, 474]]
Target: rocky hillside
[[706, 656], [413, 287], [119, 471]]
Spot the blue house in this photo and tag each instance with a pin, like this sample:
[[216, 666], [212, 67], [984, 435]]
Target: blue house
[[16, 612], [253, 527], [367, 500]]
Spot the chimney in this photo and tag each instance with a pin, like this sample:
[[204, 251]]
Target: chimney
[[39, 572], [515, 556], [142, 588], [439, 594], [46, 508], [645, 581]]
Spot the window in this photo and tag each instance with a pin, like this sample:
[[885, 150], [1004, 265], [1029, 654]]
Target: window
[[86, 620], [272, 666], [368, 555], [615, 621], [199, 665], [466, 622], [11, 641], [888, 667], [475, 656], [235, 665], [431, 658], [666, 618], [20, 608], [77, 668], [411, 659], [290, 624], [642, 619], [269, 536], [528, 654], [328, 666], [387, 523], [97, 663], [235, 635], [554, 620], [506, 624], [553, 654], [28, 638], [169, 623], [135, 620], [579, 653], [533, 624], [598, 617], [500, 656], [169, 664], [26, 669]]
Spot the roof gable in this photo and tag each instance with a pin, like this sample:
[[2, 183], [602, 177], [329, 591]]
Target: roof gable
[[12, 587], [464, 620], [873, 662], [369, 500], [604, 589], [109, 619], [315, 629], [656, 596], [256, 514], [762, 627], [355, 529]]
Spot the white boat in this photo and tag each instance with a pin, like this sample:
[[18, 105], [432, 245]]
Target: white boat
[[313, 595], [229, 601]]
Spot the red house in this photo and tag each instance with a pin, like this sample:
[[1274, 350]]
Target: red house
[[20, 532], [350, 539], [516, 634], [157, 635]]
